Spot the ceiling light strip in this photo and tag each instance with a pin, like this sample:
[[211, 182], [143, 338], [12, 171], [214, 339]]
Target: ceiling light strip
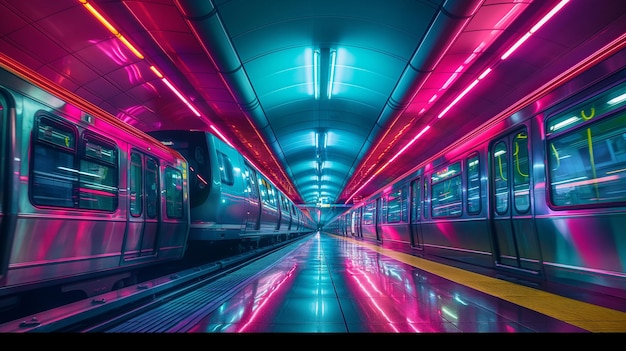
[[331, 74], [535, 28], [110, 27], [316, 74], [117, 34], [464, 92]]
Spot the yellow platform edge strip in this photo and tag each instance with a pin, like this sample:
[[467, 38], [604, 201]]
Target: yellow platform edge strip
[[596, 319]]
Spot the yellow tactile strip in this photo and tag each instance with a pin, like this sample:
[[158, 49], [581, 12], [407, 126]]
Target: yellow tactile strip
[[595, 319]]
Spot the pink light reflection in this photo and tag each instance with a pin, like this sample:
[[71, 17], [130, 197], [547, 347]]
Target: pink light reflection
[[381, 283], [266, 297]]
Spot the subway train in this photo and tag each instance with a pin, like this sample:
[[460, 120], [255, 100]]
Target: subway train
[[538, 194], [88, 201], [245, 208]]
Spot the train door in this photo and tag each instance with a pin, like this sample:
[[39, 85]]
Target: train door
[[359, 222], [356, 223], [144, 205], [252, 201], [514, 235], [378, 216], [415, 213], [7, 183]]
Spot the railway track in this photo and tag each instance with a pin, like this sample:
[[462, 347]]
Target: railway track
[[111, 310]]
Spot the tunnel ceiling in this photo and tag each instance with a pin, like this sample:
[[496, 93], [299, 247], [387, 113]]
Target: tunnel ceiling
[[247, 69]]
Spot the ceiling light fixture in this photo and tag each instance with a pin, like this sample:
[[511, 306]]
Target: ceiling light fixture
[[331, 72], [324, 61], [535, 28], [137, 53], [316, 74], [110, 27]]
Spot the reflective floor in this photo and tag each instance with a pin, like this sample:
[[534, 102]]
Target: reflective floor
[[331, 284]]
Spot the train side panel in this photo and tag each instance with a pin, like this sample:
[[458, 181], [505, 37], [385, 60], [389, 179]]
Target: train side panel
[[453, 223], [68, 205], [581, 209], [227, 196]]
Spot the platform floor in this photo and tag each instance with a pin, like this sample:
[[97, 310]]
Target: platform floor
[[331, 284]]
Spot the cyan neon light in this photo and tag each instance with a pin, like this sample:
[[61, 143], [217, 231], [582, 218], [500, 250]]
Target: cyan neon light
[[331, 74], [316, 74]]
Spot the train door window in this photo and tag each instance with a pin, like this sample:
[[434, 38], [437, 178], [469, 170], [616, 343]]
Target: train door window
[[473, 184], [4, 180], [587, 148], [250, 181], [226, 168], [54, 173], [404, 216], [426, 200], [369, 213], [384, 208], [98, 175], [173, 193], [446, 191], [501, 178], [521, 178], [268, 196], [353, 222], [152, 187], [396, 207], [416, 198], [199, 167], [136, 185]]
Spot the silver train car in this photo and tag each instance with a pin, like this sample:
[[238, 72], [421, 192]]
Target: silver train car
[[86, 199], [539, 194], [88, 202], [232, 203]]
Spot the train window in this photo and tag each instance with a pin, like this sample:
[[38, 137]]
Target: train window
[[152, 187], [98, 186], [56, 133], [521, 178], [100, 150], [250, 182], [473, 184], [173, 193], [446, 191], [98, 180], [396, 206], [226, 168], [267, 193], [285, 209], [383, 202], [501, 178], [54, 173], [369, 213], [587, 165], [603, 104], [136, 185]]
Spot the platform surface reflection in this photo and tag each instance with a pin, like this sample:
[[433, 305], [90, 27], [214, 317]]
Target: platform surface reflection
[[332, 285]]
